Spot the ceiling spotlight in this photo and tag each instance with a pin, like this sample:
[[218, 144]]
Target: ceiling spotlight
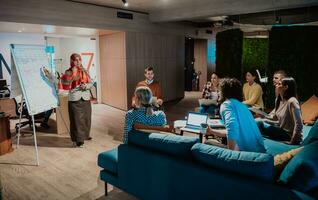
[[125, 3]]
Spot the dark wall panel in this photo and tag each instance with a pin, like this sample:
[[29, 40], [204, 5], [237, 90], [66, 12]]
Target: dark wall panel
[[229, 53], [294, 49]]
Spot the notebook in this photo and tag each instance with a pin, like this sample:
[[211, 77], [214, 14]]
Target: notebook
[[194, 121]]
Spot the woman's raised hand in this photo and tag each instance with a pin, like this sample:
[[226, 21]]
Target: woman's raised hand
[[46, 72]]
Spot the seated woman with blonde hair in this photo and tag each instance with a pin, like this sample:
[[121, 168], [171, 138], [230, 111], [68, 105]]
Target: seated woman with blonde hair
[[143, 113]]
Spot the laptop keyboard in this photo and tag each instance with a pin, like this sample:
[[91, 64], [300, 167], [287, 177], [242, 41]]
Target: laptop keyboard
[[192, 127]]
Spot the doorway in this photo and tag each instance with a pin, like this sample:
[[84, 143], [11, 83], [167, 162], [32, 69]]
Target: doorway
[[196, 63], [188, 63]]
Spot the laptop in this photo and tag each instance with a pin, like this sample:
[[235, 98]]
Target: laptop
[[194, 121]]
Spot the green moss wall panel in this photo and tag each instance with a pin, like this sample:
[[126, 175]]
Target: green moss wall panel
[[255, 54], [295, 50]]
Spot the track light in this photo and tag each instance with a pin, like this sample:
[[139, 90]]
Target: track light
[[125, 3]]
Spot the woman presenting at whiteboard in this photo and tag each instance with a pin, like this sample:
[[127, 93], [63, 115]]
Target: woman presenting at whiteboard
[[79, 84]]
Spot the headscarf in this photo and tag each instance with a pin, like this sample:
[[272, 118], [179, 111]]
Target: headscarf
[[75, 75]]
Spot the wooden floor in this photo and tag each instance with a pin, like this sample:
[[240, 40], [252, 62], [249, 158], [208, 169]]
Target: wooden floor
[[72, 173]]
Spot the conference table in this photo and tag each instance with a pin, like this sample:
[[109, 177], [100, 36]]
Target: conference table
[[213, 123]]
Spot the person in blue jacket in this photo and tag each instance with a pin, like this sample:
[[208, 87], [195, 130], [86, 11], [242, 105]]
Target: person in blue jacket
[[241, 130]]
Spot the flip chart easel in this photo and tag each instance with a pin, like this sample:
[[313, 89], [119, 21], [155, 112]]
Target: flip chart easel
[[38, 93]]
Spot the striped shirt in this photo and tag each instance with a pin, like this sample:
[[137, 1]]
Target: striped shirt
[[139, 116]]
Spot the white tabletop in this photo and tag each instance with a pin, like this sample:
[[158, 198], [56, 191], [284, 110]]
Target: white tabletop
[[214, 123], [179, 123]]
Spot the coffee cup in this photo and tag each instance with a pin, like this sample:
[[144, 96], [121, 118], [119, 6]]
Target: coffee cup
[[216, 112], [204, 126]]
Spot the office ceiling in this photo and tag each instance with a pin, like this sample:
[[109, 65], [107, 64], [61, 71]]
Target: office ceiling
[[192, 10], [51, 30]]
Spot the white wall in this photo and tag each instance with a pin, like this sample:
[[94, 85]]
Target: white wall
[[50, 41], [65, 47], [16, 38]]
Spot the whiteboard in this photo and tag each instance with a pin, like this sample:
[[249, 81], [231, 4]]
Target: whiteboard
[[39, 93], [15, 83]]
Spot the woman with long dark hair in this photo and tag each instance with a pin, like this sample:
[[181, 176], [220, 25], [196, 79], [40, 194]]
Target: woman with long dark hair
[[241, 130], [286, 122], [252, 90]]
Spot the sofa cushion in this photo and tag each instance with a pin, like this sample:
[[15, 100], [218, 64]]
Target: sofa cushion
[[301, 173], [170, 144], [312, 134], [108, 160], [275, 147], [309, 110], [258, 165]]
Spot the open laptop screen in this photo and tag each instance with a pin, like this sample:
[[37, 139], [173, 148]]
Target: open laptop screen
[[195, 119]]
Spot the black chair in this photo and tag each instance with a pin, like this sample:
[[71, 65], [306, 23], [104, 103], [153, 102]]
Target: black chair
[[4, 89], [38, 118]]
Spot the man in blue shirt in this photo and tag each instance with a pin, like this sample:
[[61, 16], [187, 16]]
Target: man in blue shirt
[[241, 130]]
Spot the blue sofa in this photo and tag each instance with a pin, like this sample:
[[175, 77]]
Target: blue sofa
[[157, 166]]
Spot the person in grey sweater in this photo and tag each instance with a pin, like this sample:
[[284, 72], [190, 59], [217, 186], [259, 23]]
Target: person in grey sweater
[[285, 123]]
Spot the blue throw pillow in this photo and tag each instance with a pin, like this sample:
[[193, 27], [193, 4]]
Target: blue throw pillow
[[258, 165], [170, 144], [301, 172], [312, 135]]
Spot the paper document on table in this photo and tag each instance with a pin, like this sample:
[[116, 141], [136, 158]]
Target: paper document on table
[[258, 111], [216, 123]]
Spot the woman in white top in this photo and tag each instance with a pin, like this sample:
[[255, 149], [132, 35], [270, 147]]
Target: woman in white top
[[210, 92]]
